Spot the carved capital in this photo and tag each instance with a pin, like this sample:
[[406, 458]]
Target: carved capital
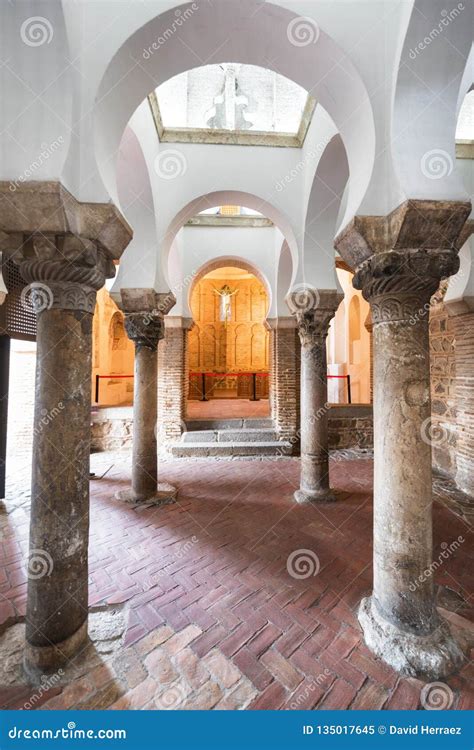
[[63, 271], [313, 310], [399, 286], [145, 329], [415, 225], [141, 299]]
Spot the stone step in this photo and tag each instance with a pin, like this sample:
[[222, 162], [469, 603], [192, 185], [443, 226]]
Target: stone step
[[228, 424], [252, 435], [229, 449]]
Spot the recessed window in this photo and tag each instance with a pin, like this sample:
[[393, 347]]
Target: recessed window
[[232, 104]]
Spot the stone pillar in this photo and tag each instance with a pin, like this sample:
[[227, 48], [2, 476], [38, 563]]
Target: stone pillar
[[314, 310], [284, 378], [145, 327], [399, 262], [173, 378], [64, 274], [64, 250]]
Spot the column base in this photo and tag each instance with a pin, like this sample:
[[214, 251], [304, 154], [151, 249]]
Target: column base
[[165, 495], [39, 660], [310, 496], [433, 656]]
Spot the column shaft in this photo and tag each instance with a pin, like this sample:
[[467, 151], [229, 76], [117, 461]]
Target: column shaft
[[402, 475], [146, 329], [59, 533], [400, 621], [314, 425], [314, 310], [144, 454]]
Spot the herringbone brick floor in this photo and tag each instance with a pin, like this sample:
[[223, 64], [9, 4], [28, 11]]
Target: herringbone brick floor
[[235, 597]]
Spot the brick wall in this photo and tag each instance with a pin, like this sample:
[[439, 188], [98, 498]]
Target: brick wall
[[173, 369], [351, 426], [443, 389], [241, 345], [285, 380], [452, 390], [462, 326]]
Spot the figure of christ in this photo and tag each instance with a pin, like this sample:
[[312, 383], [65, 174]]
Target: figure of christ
[[225, 293]]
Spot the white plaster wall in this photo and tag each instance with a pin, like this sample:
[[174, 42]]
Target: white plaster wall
[[197, 246]]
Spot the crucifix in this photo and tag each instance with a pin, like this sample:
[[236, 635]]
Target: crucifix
[[225, 293]]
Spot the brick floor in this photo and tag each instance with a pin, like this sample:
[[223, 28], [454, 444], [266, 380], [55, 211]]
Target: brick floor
[[214, 617]]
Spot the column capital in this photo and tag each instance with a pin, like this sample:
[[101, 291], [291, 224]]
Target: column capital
[[48, 208], [400, 285], [414, 225], [313, 310], [140, 300], [63, 271], [145, 329]]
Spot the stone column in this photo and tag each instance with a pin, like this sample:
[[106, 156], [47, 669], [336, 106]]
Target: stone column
[[64, 274], [145, 328], [400, 261], [64, 250], [314, 310], [173, 378]]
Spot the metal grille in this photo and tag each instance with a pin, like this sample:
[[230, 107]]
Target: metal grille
[[19, 319]]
